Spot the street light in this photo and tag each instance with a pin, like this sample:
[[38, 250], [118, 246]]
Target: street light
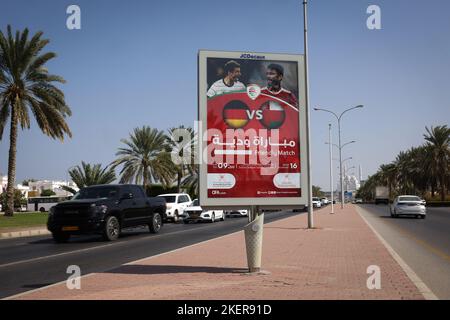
[[334, 144], [338, 117], [331, 167]]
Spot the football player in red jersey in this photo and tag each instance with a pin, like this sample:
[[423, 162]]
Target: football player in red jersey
[[274, 76]]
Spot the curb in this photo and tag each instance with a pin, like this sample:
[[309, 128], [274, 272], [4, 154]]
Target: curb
[[24, 233]]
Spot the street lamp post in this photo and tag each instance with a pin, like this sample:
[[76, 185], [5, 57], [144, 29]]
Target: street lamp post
[[340, 147], [331, 167], [330, 144]]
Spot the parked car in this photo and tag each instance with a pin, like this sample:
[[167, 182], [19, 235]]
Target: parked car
[[358, 200], [236, 212], [105, 210], [316, 202], [324, 201], [408, 205], [195, 213], [176, 203]]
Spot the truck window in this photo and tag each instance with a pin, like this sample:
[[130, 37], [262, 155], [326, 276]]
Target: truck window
[[137, 192]]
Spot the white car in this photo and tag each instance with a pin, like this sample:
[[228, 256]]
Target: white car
[[196, 213], [236, 212], [324, 201], [316, 202], [176, 203], [408, 205]]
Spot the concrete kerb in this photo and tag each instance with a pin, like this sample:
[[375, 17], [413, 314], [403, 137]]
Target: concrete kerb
[[23, 233]]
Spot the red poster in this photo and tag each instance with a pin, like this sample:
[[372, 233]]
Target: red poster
[[256, 154]]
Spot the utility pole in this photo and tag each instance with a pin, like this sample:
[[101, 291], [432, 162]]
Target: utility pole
[[331, 166], [308, 140]]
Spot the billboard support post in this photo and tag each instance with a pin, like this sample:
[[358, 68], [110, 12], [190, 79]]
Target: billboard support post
[[253, 239], [308, 140]]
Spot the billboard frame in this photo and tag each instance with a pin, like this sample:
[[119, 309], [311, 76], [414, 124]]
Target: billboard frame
[[242, 203]]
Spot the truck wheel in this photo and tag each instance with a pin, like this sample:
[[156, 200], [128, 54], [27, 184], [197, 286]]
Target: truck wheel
[[112, 229], [175, 216], [60, 237], [156, 223]]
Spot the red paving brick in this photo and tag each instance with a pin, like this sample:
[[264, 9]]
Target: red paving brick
[[329, 262]]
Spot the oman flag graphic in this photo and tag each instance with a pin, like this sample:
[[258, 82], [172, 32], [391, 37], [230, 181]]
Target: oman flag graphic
[[273, 115]]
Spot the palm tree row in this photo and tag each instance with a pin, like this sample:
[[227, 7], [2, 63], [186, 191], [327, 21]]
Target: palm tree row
[[27, 89], [145, 159], [420, 170]]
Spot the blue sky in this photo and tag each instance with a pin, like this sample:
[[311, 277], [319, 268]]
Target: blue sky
[[134, 63]]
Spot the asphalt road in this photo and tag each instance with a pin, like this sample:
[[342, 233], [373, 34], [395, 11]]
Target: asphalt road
[[423, 244], [34, 262]]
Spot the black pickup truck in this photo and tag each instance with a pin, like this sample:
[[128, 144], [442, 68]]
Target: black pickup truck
[[105, 210]]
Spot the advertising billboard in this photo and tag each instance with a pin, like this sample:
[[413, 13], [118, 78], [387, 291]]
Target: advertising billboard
[[253, 129]]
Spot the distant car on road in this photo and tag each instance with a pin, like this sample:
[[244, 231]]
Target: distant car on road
[[408, 205], [358, 200], [176, 203], [324, 201], [236, 212], [195, 213], [316, 202]]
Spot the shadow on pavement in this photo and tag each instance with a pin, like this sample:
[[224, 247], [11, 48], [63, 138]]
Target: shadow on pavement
[[36, 286], [400, 217], [158, 269], [285, 228]]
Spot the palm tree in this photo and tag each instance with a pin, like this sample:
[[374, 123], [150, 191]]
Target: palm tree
[[89, 175], [145, 159], [190, 181], [438, 139], [26, 85], [179, 148], [388, 176]]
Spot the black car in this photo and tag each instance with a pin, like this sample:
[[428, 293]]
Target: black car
[[106, 210]]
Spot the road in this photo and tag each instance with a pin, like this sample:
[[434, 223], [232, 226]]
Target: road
[[423, 244], [34, 262]]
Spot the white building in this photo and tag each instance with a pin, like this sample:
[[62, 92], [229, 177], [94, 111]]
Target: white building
[[351, 184], [36, 187], [3, 183]]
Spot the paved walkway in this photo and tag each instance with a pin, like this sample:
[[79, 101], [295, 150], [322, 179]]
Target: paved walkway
[[329, 262]]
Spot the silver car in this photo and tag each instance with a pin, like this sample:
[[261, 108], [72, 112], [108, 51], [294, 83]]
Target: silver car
[[408, 205]]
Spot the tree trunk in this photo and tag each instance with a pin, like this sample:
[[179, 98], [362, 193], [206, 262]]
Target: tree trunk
[[442, 189], [179, 176], [145, 180], [9, 211]]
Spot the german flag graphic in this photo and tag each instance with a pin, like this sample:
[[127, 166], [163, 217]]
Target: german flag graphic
[[273, 115], [235, 114]]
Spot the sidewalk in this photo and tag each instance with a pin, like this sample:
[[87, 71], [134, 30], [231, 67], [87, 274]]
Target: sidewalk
[[329, 262]]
